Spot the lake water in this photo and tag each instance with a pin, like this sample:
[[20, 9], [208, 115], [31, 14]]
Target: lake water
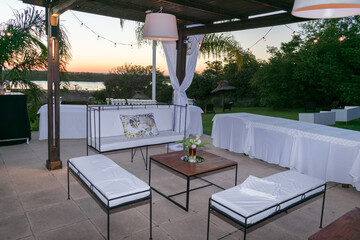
[[73, 85]]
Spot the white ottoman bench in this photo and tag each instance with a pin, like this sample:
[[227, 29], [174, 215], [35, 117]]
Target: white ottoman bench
[[258, 199], [109, 183]]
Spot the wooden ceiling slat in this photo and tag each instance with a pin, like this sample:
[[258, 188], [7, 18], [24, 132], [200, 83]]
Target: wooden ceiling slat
[[206, 8], [276, 5], [273, 20], [187, 11]]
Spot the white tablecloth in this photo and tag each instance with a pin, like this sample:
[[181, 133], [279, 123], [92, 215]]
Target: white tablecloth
[[73, 121], [329, 153]]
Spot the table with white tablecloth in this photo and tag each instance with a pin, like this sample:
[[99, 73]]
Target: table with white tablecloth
[[73, 121], [329, 153]]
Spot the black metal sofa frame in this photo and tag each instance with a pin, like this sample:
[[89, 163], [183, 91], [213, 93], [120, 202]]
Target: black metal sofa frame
[[278, 211], [91, 111]]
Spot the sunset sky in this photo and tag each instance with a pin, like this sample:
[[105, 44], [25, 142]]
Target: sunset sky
[[93, 55]]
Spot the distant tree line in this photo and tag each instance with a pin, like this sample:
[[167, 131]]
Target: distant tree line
[[70, 76], [321, 64]]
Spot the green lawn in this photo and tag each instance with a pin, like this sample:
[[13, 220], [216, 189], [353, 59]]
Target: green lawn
[[283, 113]]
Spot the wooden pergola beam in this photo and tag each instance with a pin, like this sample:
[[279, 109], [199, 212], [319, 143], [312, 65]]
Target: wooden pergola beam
[[63, 6], [273, 20], [53, 162], [206, 8], [273, 4]]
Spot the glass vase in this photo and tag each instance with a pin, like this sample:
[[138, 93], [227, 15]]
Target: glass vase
[[192, 155]]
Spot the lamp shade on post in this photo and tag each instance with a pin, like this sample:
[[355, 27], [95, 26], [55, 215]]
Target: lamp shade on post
[[326, 8], [160, 26]]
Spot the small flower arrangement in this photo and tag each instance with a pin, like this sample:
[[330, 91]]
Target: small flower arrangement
[[190, 143]]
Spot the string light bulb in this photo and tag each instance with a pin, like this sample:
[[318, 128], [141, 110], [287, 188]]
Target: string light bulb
[[316, 40], [8, 34], [293, 34], [115, 44], [264, 39], [342, 38], [98, 37], [81, 24], [199, 45]]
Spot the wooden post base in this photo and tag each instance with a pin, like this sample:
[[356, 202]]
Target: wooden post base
[[53, 165]]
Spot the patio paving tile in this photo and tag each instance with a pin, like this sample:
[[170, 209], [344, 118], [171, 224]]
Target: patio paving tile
[[190, 227], [55, 216], [156, 234], [14, 227], [10, 206], [36, 199], [123, 223], [78, 231], [34, 204]]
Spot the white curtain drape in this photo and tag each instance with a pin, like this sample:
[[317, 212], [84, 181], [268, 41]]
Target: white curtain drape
[[180, 97]]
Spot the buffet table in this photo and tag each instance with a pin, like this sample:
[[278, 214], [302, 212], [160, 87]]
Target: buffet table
[[329, 153], [73, 121]]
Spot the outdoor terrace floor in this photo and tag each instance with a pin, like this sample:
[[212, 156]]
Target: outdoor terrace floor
[[34, 205]]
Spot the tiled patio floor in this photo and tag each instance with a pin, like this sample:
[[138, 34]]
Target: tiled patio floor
[[34, 205]]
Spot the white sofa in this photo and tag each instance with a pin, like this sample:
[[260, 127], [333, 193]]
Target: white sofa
[[347, 114], [105, 131], [323, 117]]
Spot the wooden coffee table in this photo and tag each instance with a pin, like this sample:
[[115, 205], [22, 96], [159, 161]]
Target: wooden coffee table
[[172, 162], [346, 227]]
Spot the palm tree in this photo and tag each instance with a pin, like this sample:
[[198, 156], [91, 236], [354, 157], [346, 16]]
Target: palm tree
[[23, 48], [214, 44]]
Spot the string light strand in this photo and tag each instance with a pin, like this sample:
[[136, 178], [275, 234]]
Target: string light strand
[[98, 36]]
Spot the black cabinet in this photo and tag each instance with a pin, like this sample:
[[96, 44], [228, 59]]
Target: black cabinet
[[14, 120]]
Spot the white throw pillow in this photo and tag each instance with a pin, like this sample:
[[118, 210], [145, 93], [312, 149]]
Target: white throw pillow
[[257, 186], [139, 125]]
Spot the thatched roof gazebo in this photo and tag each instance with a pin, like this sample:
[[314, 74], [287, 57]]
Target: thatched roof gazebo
[[222, 87]]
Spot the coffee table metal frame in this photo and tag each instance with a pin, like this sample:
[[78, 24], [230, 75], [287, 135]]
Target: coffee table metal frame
[[188, 177]]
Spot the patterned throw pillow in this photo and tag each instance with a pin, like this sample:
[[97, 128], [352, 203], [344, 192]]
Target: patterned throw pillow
[[139, 125]]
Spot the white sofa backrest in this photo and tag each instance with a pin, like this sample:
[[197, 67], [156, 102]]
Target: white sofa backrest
[[112, 126]]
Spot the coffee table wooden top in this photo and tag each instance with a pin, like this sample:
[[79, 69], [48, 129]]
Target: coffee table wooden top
[[212, 162], [345, 227]]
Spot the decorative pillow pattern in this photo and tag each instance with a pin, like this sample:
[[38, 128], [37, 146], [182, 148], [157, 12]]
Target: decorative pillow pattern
[[139, 125]]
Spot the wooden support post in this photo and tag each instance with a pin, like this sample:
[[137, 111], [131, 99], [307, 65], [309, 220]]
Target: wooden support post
[[53, 161], [181, 56]]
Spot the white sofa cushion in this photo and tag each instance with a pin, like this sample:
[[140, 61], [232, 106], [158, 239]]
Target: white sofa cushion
[[122, 142], [110, 179], [291, 183]]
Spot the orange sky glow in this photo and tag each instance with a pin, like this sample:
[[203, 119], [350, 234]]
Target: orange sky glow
[[90, 54]]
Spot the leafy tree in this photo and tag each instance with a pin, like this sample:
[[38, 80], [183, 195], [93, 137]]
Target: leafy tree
[[306, 70], [125, 80], [23, 49]]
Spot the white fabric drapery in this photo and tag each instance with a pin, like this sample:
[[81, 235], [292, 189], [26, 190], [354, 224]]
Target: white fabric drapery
[[179, 96]]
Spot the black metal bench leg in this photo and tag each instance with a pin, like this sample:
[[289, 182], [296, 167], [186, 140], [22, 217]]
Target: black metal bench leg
[[68, 184], [244, 233], [208, 222], [108, 223], [150, 215], [147, 156], [322, 208]]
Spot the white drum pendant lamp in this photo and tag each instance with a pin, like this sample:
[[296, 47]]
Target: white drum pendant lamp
[[326, 8], [160, 26]]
